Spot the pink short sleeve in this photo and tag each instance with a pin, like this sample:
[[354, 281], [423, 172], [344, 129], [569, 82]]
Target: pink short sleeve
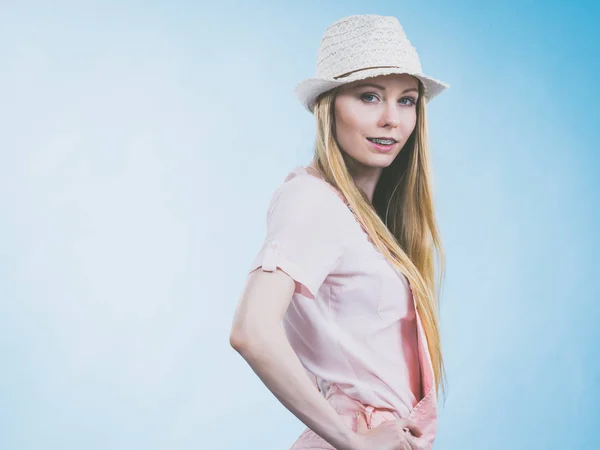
[[304, 233]]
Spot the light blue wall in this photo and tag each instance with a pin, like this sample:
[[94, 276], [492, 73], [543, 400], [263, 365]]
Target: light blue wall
[[139, 147]]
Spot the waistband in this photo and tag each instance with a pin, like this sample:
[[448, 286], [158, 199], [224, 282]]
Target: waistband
[[346, 405]]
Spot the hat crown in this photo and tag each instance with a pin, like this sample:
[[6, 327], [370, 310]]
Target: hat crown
[[363, 41]]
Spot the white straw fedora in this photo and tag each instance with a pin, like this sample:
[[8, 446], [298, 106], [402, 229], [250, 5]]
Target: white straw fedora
[[363, 46]]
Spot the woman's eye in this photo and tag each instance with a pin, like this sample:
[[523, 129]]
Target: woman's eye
[[406, 101], [411, 101], [366, 96]]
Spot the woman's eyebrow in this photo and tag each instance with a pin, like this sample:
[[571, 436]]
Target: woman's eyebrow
[[383, 88]]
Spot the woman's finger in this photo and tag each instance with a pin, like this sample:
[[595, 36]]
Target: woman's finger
[[414, 428], [415, 442], [410, 427]]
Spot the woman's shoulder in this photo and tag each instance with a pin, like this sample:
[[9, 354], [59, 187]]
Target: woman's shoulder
[[303, 190]]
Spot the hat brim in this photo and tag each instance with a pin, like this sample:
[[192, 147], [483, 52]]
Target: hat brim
[[308, 90]]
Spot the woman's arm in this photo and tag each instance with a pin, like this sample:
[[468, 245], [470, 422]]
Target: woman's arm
[[258, 336]]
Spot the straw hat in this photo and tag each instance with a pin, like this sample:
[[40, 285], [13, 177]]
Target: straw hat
[[363, 46]]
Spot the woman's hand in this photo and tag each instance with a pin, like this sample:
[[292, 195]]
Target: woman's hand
[[399, 434]]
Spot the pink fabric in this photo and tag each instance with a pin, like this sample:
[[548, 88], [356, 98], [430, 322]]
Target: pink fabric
[[352, 320]]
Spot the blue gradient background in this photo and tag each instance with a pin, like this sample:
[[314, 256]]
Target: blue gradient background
[[140, 144]]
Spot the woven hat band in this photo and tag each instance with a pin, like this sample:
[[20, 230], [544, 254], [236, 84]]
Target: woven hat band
[[404, 69]]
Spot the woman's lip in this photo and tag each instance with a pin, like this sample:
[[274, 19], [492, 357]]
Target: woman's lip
[[384, 138], [382, 148]]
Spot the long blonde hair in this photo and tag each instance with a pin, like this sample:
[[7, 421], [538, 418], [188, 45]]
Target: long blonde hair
[[401, 220]]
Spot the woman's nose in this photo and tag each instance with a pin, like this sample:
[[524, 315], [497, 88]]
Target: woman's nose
[[393, 123], [390, 117]]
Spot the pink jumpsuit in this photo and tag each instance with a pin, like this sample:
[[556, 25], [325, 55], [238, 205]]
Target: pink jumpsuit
[[352, 320]]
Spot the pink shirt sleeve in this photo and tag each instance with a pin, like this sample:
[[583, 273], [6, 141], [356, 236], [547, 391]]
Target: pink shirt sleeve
[[304, 233]]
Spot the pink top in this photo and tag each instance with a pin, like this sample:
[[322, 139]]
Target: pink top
[[352, 318]]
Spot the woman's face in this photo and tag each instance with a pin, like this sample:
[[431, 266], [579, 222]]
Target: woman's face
[[379, 107]]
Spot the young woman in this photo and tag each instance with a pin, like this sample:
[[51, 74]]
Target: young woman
[[348, 260]]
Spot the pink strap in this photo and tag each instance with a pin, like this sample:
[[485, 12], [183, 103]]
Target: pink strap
[[369, 415]]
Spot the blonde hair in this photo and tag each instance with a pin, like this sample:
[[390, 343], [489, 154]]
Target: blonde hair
[[401, 221]]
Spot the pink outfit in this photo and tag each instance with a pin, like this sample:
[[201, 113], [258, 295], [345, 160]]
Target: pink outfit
[[352, 320]]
